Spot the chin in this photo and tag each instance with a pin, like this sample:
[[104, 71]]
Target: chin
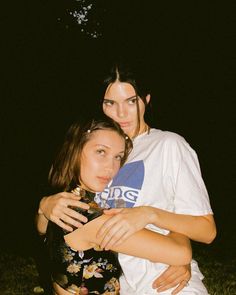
[[97, 188], [129, 131], [101, 187]]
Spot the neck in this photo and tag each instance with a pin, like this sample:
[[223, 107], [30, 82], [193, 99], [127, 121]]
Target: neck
[[79, 191], [142, 130]]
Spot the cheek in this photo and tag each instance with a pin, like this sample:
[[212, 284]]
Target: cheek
[[108, 112], [83, 174], [86, 168], [116, 168], [91, 165], [141, 108], [105, 109], [134, 112]]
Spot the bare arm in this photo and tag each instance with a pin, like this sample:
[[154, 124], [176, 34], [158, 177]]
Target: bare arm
[[127, 221], [197, 228], [173, 249]]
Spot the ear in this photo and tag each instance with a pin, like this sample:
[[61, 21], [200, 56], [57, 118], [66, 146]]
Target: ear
[[148, 98]]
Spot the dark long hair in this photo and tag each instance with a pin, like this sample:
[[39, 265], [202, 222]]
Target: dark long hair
[[65, 171], [134, 72]]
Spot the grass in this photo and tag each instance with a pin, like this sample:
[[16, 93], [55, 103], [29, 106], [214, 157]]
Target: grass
[[220, 274], [18, 275]]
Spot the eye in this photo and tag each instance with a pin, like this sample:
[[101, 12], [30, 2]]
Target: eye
[[132, 100], [108, 102], [119, 157], [100, 152]]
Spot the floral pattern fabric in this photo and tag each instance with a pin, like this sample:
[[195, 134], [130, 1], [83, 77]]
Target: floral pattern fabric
[[93, 271]]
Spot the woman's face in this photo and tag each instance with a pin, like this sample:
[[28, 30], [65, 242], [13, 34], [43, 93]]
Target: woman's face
[[100, 159], [120, 104]]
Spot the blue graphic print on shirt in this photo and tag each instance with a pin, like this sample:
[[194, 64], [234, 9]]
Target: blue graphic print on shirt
[[125, 187]]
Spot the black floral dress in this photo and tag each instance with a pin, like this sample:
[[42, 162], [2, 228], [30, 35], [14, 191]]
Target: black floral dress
[[93, 271]]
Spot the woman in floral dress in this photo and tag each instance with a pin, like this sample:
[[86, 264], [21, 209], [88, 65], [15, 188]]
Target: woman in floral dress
[[89, 158]]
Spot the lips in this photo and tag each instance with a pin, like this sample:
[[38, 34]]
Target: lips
[[124, 124], [104, 179]]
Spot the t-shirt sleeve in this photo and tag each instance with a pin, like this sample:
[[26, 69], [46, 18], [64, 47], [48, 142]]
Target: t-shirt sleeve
[[190, 195]]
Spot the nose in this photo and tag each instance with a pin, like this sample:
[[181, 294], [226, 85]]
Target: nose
[[121, 113], [110, 167]]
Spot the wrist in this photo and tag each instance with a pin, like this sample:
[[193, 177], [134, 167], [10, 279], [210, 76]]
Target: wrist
[[151, 214], [41, 210]]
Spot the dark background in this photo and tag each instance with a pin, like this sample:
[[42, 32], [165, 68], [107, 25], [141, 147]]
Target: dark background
[[49, 68]]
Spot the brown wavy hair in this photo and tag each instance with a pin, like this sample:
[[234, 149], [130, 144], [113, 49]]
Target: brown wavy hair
[[65, 171]]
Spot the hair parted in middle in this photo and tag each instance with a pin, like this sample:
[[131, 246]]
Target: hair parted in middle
[[65, 171], [134, 72]]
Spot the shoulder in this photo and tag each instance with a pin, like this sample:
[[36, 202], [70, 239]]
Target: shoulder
[[167, 137], [171, 142]]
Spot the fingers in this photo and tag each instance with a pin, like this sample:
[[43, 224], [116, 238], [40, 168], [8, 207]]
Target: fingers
[[71, 216], [112, 211], [113, 237], [119, 226], [65, 196], [183, 284], [168, 284], [114, 232], [108, 227], [76, 204], [59, 209], [63, 225], [69, 219], [71, 200], [174, 276]]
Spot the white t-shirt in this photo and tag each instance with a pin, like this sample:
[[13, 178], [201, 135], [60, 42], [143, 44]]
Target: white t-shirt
[[162, 171]]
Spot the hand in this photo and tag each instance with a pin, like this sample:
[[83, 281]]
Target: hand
[[173, 276], [56, 208], [123, 223]]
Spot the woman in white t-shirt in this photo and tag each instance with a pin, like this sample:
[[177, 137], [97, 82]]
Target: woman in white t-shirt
[[160, 188]]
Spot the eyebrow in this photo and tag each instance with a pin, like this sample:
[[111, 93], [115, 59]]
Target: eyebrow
[[105, 146], [108, 147], [110, 99]]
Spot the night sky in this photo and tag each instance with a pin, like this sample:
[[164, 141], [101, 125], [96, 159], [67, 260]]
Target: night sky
[[49, 67]]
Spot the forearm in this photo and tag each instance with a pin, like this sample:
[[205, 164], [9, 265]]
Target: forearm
[[173, 249], [41, 220], [197, 228], [41, 223]]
